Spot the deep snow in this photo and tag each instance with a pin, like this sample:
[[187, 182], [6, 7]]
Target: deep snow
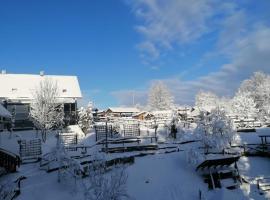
[[160, 176]]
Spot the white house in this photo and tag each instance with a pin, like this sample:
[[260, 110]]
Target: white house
[[16, 94]]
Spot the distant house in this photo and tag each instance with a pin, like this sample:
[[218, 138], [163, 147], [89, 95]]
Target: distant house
[[16, 94], [121, 111], [163, 114], [143, 116], [193, 114], [183, 111]]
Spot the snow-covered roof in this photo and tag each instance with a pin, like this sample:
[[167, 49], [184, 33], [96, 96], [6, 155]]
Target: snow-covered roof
[[16, 86], [124, 109], [195, 111], [160, 112], [4, 112], [144, 113]]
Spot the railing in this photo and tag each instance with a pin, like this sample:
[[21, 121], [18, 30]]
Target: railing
[[69, 140], [9, 161]]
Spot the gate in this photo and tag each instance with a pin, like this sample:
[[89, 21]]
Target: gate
[[131, 130], [30, 149], [103, 131]]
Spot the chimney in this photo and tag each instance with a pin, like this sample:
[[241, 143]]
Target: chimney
[[41, 73], [3, 71]]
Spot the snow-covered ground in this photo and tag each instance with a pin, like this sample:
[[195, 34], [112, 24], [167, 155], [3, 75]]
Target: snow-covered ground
[[158, 176]]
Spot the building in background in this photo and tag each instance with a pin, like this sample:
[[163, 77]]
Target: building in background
[[16, 94], [121, 111]]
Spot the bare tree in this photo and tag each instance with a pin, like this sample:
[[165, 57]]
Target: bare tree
[[106, 185], [257, 88], [160, 97], [243, 105], [206, 101], [45, 110]]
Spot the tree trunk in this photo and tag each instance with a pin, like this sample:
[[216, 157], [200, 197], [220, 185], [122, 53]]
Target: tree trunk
[[43, 135]]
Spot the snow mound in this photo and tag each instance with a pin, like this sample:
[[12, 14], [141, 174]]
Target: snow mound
[[76, 129]]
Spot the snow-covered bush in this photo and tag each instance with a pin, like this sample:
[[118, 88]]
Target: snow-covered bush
[[215, 130], [103, 185], [45, 110], [69, 169], [194, 157], [159, 97], [85, 117]]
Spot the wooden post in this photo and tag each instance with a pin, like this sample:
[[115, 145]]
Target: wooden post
[[96, 132], [156, 132], [212, 180]]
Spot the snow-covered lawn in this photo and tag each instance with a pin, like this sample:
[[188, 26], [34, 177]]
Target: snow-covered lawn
[[158, 176], [252, 137], [164, 176]]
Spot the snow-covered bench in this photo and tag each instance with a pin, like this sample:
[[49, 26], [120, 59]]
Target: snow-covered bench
[[221, 172]]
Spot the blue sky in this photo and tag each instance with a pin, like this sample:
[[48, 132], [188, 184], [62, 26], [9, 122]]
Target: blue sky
[[120, 47]]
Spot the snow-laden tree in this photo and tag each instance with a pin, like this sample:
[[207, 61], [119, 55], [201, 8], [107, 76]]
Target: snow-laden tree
[[46, 111], [215, 130], [257, 87], [85, 117], [206, 101], [159, 97], [243, 105], [104, 184]]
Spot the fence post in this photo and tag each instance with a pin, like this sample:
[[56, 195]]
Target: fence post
[[96, 132]]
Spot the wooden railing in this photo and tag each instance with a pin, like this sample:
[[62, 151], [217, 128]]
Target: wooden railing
[[9, 161]]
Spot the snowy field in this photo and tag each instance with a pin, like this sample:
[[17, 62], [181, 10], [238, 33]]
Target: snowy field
[[158, 176]]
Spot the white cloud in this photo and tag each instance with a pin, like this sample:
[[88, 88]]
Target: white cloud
[[130, 97], [170, 22], [242, 38], [251, 53]]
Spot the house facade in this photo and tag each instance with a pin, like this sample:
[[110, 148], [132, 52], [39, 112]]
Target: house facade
[[16, 95], [121, 111], [144, 115]]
